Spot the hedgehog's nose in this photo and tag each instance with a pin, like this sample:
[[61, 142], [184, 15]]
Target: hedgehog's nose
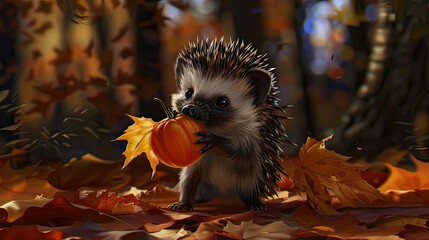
[[190, 110]]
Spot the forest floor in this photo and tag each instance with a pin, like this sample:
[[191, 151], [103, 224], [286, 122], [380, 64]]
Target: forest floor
[[49, 202]]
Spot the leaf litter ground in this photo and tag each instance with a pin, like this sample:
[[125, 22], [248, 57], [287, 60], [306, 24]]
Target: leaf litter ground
[[85, 199]]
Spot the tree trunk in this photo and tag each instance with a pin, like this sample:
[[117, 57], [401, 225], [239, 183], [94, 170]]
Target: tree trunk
[[395, 78]]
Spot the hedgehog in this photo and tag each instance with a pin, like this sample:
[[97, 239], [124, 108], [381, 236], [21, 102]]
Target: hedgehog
[[229, 87]]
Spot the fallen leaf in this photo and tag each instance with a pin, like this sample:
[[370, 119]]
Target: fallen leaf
[[250, 230], [105, 201], [60, 212], [401, 179], [320, 174], [372, 216], [30, 232], [207, 229], [397, 221], [16, 209], [414, 232], [19, 184]]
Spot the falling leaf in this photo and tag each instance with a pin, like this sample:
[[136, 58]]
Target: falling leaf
[[401, 179], [89, 48], [138, 137], [280, 46], [45, 7], [106, 58], [125, 53], [181, 5], [42, 29], [115, 3], [36, 54], [120, 34], [25, 7], [62, 56], [320, 174], [158, 19]]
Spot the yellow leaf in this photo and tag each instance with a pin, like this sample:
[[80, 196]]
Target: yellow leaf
[[401, 179], [321, 174], [138, 137]]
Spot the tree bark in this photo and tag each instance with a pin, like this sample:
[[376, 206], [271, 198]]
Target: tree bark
[[386, 101]]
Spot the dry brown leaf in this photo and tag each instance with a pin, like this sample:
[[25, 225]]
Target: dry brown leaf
[[107, 202], [398, 221], [321, 174], [401, 179], [408, 198], [19, 184], [207, 229], [345, 226], [30, 232], [250, 230]]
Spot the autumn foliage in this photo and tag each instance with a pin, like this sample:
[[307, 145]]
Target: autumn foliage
[[333, 201]]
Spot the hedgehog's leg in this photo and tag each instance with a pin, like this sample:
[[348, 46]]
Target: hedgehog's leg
[[190, 177], [253, 203], [248, 188], [206, 192]]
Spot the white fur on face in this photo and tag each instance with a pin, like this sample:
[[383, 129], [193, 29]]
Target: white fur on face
[[243, 129], [234, 89]]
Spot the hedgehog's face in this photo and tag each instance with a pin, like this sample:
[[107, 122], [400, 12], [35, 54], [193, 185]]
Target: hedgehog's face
[[212, 101], [216, 101]]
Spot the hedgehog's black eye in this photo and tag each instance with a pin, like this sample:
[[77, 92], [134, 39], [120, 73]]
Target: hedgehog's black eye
[[189, 92], [222, 102]]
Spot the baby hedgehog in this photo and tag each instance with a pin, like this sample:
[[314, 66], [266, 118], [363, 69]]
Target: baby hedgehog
[[229, 87]]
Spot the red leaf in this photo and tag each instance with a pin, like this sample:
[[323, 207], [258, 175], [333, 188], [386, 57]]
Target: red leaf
[[60, 212]]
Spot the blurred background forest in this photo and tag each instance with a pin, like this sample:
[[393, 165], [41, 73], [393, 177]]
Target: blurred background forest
[[71, 70]]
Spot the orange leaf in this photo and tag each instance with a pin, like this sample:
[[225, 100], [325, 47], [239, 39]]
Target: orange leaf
[[401, 179], [107, 202], [321, 174]]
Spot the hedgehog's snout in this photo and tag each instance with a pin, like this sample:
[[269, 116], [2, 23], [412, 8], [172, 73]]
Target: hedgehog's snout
[[192, 111]]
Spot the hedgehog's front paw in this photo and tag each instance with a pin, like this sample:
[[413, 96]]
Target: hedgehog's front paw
[[179, 206], [209, 139]]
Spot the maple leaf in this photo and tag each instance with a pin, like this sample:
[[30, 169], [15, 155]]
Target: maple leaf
[[320, 174], [401, 179], [138, 137]]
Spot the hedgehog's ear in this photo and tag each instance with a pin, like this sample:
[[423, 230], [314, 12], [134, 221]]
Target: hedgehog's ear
[[180, 67], [261, 82]]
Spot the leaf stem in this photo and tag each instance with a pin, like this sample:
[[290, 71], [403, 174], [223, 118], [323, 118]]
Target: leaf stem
[[167, 111]]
